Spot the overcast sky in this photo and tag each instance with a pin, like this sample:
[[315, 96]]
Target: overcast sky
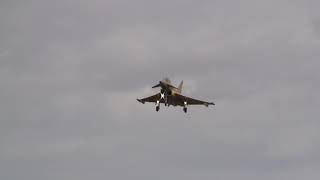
[[71, 70]]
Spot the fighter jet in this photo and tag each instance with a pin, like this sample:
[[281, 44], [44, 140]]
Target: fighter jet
[[171, 95]]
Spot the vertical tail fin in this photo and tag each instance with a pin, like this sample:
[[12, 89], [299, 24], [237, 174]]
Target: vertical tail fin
[[180, 87]]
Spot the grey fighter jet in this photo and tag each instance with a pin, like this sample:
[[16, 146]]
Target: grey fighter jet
[[171, 95]]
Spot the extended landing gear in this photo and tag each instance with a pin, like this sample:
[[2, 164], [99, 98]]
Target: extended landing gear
[[164, 96], [185, 107], [158, 106]]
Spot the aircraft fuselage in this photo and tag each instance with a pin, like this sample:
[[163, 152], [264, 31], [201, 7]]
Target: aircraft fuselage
[[171, 95]]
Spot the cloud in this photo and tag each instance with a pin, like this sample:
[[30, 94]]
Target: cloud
[[70, 73]]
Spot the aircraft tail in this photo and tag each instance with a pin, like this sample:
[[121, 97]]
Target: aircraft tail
[[180, 87]]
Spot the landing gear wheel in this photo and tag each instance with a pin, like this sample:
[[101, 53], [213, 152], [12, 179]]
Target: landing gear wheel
[[157, 108], [185, 110]]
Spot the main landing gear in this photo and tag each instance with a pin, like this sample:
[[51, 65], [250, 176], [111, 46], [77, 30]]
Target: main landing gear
[[185, 110], [157, 106], [185, 107]]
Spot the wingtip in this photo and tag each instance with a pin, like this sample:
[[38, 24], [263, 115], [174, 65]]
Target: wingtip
[[139, 100], [208, 104]]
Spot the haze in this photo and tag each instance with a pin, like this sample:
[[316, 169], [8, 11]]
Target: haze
[[70, 73]]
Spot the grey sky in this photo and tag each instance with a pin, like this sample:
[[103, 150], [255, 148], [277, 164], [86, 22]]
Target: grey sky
[[70, 72]]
